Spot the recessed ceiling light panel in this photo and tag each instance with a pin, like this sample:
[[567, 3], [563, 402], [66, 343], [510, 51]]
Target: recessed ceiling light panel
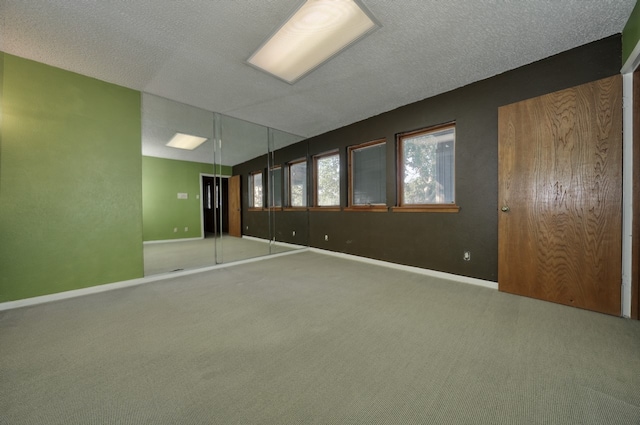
[[186, 141], [317, 31]]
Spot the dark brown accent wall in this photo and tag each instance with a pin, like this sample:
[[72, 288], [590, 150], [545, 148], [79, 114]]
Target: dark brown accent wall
[[276, 223], [432, 240]]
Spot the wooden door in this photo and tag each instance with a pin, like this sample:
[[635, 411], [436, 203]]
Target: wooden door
[[560, 191], [235, 224]]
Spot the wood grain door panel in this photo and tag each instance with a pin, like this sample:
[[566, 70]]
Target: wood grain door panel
[[560, 184], [235, 223]]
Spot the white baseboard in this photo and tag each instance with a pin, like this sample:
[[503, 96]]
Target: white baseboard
[[285, 244], [172, 240], [143, 280], [418, 270], [26, 302]]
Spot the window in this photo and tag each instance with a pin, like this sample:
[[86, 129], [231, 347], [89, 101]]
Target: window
[[327, 180], [255, 190], [275, 186], [367, 174], [426, 167], [297, 183]]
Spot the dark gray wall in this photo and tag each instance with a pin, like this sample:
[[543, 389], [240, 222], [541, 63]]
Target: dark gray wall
[[275, 223], [437, 240]]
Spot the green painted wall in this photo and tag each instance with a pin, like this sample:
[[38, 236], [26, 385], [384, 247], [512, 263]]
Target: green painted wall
[[631, 33], [224, 170], [71, 193], [162, 180], [1, 85]]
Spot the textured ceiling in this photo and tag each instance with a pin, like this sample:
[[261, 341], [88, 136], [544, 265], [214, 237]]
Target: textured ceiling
[[241, 140], [194, 51]]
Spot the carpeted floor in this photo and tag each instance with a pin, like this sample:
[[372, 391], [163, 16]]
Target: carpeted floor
[[313, 339], [191, 254]]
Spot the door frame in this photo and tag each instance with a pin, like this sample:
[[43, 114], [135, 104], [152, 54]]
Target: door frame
[[630, 194], [202, 200]]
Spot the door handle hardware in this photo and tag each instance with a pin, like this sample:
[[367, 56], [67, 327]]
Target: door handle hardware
[[504, 209]]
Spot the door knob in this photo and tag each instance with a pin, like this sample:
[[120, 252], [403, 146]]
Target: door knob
[[504, 209]]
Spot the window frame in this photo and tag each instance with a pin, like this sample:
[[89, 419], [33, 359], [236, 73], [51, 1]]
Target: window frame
[[434, 207], [351, 206], [251, 186], [315, 158], [288, 180]]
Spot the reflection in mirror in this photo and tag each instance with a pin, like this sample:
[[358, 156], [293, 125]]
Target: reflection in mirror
[[196, 209], [240, 141], [289, 220], [171, 186]]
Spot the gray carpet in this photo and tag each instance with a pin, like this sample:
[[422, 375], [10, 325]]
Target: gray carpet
[[312, 339], [192, 254]]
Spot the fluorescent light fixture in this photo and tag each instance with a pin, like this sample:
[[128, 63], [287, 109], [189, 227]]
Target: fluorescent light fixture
[[317, 31], [186, 141]]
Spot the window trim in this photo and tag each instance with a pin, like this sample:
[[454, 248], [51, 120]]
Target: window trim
[[287, 175], [357, 207], [315, 206], [401, 207], [252, 207]]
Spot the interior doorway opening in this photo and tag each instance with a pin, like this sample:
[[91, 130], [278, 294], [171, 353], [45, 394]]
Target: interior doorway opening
[[215, 203]]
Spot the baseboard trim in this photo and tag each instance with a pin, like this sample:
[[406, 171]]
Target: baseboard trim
[[10, 305], [172, 240], [285, 244], [412, 269], [27, 302]]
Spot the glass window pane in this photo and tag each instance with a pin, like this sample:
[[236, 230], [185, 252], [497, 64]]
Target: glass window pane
[[256, 190], [428, 168], [328, 183], [369, 175], [275, 196], [298, 184]]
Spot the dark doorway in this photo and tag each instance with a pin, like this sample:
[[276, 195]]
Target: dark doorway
[[215, 200]]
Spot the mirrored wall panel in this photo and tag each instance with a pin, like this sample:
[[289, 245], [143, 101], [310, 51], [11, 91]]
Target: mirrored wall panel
[[215, 188]]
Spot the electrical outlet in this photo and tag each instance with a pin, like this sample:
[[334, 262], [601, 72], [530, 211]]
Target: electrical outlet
[[326, 237], [175, 230], [467, 256], [186, 229], [247, 227], [293, 233]]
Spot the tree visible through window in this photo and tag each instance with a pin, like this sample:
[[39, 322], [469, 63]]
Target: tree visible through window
[[327, 183], [426, 164], [255, 190]]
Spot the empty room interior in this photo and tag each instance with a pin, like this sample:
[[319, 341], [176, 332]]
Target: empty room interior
[[320, 211]]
